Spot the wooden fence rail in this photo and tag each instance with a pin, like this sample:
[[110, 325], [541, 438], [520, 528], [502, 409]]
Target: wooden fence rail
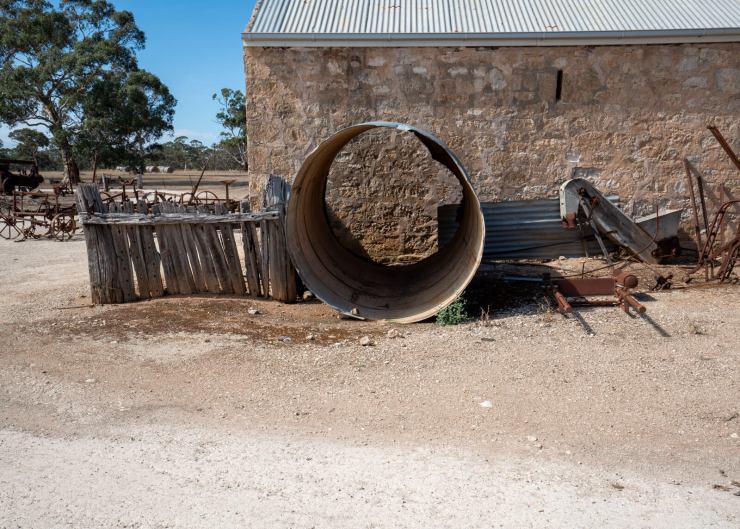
[[184, 250]]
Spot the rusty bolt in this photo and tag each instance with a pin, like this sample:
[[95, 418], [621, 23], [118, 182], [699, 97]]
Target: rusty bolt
[[627, 280]]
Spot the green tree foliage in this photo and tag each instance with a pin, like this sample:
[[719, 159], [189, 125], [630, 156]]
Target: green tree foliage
[[123, 114], [29, 143], [232, 116], [54, 58], [184, 153], [180, 153]]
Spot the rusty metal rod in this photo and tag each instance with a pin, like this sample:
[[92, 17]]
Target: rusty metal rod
[[197, 184], [702, 199], [563, 306], [594, 303], [694, 207], [726, 146], [706, 253], [626, 297], [703, 203]]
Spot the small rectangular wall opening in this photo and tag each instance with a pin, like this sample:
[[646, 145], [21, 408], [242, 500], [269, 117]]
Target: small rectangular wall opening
[[559, 86]]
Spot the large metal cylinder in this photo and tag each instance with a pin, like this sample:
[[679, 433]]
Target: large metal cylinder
[[359, 287]]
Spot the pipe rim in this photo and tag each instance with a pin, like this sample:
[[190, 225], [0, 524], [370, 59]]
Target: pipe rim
[[322, 262]]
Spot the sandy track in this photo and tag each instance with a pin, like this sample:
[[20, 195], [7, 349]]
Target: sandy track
[[193, 413]]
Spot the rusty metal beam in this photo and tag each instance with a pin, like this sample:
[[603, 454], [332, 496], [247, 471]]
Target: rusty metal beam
[[595, 286], [726, 146]]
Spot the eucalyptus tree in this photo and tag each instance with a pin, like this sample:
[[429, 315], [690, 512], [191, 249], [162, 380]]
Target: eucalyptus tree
[[232, 116], [53, 58], [123, 115], [29, 143]]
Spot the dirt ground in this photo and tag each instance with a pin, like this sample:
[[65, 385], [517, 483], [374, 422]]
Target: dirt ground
[[190, 413]]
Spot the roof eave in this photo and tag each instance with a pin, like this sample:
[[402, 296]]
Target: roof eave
[[591, 38]]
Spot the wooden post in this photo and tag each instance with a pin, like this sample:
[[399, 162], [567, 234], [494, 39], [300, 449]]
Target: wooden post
[[168, 260], [104, 257], [191, 248], [206, 260], [291, 288], [137, 257], [252, 261], [93, 261], [232, 259], [265, 254], [282, 272], [219, 258], [276, 261], [152, 261], [124, 277]]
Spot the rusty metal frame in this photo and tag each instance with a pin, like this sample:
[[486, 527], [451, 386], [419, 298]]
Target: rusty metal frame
[[574, 292], [729, 253]]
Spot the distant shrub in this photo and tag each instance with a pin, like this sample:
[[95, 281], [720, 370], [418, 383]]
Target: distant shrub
[[454, 314]]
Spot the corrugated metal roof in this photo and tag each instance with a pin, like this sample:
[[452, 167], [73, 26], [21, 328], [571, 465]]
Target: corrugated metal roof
[[481, 22]]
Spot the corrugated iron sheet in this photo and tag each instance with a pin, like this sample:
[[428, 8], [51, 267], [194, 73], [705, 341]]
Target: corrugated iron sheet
[[524, 229], [387, 19]]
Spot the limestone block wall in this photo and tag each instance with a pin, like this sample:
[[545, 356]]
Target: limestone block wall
[[626, 115]]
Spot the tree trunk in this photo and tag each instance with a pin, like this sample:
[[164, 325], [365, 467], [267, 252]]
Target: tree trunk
[[71, 170], [95, 168]]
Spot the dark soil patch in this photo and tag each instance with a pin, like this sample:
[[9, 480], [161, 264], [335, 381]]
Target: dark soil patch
[[274, 323]]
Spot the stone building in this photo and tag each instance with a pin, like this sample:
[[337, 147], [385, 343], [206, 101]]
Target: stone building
[[524, 91]]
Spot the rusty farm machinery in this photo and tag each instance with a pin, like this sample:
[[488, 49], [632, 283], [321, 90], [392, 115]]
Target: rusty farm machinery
[[33, 215], [29, 214]]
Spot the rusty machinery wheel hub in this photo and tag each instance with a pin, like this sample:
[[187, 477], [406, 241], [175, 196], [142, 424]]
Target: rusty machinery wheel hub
[[365, 289]]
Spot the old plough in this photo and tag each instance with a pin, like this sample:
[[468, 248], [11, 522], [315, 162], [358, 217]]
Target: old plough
[[28, 214], [33, 215]]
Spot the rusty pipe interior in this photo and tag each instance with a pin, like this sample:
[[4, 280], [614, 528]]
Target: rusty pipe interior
[[362, 288]]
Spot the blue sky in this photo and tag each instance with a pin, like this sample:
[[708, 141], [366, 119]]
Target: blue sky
[[195, 48]]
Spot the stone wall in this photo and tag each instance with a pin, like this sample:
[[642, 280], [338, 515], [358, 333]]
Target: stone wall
[[627, 115], [382, 196]]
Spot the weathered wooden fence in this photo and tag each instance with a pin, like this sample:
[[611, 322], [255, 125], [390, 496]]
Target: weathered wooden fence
[[186, 250]]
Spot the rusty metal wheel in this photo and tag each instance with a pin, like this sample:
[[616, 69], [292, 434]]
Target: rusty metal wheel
[[63, 226], [11, 227], [25, 229], [208, 198], [186, 199], [152, 198], [8, 229], [32, 229]]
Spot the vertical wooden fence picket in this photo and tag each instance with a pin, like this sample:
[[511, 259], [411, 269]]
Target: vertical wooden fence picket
[[182, 250]]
